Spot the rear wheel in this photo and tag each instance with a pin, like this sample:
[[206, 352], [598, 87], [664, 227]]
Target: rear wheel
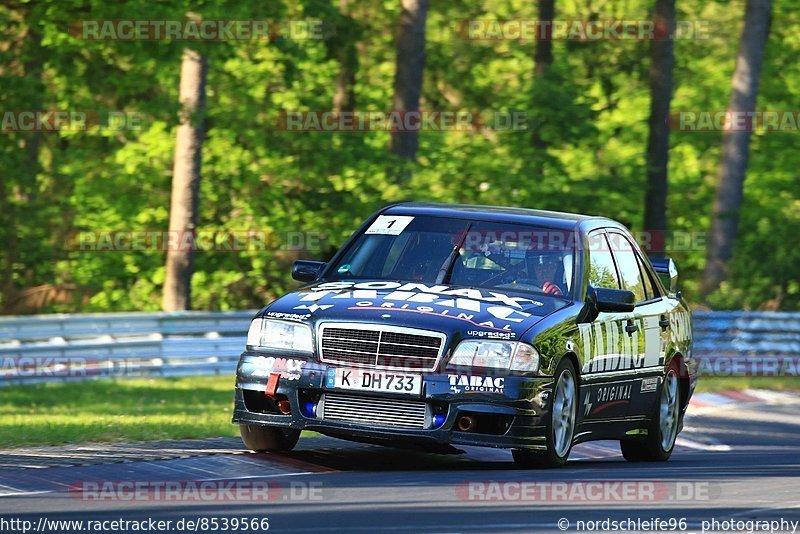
[[560, 424], [660, 441], [268, 438]]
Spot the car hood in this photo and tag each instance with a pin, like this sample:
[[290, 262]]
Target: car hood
[[454, 310]]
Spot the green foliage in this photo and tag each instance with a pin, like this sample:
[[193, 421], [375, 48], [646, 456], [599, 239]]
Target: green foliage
[[591, 109]]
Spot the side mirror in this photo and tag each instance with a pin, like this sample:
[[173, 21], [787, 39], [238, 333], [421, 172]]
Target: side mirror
[[601, 299], [307, 271], [614, 300], [667, 271], [611, 300]]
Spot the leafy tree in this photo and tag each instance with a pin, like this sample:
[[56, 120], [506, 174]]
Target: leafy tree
[[300, 194]]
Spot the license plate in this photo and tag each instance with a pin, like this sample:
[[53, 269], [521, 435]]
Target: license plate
[[383, 381]]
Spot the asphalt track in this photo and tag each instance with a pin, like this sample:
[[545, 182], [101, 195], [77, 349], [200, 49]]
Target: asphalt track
[[734, 462]]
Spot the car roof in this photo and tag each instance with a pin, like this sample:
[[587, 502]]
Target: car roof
[[548, 219]]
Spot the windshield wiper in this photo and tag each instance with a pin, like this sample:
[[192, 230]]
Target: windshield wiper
[[447, 267]]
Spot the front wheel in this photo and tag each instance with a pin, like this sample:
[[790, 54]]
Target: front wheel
[[560, 425], [268, 438], [660, 441]]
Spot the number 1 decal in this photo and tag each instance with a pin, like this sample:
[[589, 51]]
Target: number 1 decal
[[389, 225]]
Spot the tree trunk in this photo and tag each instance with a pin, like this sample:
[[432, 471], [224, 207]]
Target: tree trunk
[[344, 92], [185, 182], [735, 146], [542, 61], [408, 74], [543, 54], [26, 192], [33, 71], [10, 245], [662, 62]]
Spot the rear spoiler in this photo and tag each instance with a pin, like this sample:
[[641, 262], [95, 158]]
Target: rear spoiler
[[667, 271]]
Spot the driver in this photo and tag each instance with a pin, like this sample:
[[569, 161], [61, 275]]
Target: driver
[[548, 270]]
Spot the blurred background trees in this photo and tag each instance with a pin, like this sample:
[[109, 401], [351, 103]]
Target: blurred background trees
[[588, 105]]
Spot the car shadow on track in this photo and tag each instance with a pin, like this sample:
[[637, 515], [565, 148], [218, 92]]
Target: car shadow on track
[[338, 455]]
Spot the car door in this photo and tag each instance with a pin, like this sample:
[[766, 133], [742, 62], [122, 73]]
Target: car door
[[610, 352], [649, 320]]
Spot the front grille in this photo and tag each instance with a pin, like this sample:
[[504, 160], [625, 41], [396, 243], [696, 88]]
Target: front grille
[[373, 411], [385, 347]]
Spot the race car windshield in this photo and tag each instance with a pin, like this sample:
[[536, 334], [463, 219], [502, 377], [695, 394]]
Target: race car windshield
[[459, 252]]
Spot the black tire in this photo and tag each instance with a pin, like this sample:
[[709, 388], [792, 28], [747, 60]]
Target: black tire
[[268, 438], [558, 448], [657, 447]]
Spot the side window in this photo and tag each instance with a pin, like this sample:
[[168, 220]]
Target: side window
[[649, 288], [602, 272], [628, 265]]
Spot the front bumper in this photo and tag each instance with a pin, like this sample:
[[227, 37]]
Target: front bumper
[[515, 416]]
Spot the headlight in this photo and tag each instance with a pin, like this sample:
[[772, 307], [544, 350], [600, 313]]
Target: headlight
[[496, 354], [281, 335]]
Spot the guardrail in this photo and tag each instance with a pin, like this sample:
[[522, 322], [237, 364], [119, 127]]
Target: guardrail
[[738, 334], [43, 348]]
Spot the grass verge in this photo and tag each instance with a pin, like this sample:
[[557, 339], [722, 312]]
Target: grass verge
[[117, 410], [783, 383]]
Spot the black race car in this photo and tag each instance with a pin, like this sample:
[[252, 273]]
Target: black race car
[[438, 325]]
